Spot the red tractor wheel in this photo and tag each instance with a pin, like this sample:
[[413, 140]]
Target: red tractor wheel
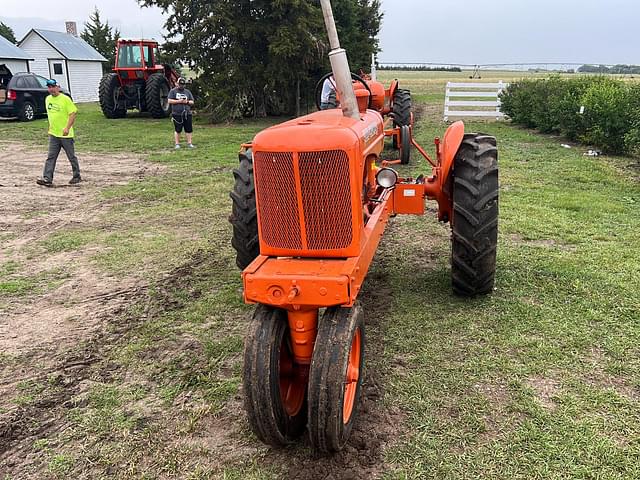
[[335, 377], [475, 216], [157, 96], [111, 98], [274, 386]]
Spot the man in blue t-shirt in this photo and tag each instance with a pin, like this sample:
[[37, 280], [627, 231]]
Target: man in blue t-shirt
[[181, 101]]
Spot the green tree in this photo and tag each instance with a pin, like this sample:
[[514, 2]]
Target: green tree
[[257, 57], [102, 37], [7, 32]]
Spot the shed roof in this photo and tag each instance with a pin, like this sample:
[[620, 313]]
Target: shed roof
[[9, 51], [72, 48]]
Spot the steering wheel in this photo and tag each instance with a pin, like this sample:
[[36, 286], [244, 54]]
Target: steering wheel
[[318, 91]]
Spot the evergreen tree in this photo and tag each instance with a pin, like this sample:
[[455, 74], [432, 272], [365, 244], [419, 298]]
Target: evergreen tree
[[7, 32], [102, 37], [252, 57]]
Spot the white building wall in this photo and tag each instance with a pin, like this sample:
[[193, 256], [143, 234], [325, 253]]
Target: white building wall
[[15, 66], [85, 80], [42, 52]]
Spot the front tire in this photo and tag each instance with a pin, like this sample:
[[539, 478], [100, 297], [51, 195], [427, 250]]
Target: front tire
[[157, 96], [475, 216], [109, 91], [244, 216], [273, 388], [335, 377]]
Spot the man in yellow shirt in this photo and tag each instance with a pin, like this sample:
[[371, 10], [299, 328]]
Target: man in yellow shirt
[[62, 114]]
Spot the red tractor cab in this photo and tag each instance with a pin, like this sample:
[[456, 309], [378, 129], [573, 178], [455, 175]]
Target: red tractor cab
[[137, 81]]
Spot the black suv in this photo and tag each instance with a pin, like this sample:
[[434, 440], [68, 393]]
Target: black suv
[[22, 95]]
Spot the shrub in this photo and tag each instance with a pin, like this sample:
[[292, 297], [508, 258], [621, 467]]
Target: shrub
[[611, 119]]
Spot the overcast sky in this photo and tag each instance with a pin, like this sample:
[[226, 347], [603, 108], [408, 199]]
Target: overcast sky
[[443, 31]]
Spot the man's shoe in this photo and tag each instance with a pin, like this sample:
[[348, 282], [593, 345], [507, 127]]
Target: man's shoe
[[75, 180], [177, 147], [44, 182], [191, 145]]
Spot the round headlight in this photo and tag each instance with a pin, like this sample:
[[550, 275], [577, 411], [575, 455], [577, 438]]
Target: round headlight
[[386, 177]]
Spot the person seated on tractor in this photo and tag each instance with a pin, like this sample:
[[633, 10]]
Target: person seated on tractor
[[328, 88], [181, 101]]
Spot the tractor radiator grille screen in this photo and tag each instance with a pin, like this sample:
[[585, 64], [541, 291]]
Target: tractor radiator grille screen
[[326, 199], [277, 200]]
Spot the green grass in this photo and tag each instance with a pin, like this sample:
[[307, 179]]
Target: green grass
[[539, 380]]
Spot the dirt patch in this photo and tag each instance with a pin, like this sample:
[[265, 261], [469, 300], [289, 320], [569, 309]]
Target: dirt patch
[[29, 213], [544, 243], [599, 378], [545, 391], [43, 330]]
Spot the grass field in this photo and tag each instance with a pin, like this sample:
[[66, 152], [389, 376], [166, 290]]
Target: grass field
[[539, 380]]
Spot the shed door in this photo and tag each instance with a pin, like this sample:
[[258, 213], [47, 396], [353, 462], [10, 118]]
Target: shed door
[[58, 71]]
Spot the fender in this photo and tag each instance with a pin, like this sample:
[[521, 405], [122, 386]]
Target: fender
[[448, 148], [437, 185]]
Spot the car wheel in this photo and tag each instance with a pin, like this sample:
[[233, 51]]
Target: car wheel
[[27, 112]]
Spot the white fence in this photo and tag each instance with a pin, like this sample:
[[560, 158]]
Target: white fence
[[484, 108]]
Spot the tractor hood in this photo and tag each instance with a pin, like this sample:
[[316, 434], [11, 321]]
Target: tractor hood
[[324, 130]]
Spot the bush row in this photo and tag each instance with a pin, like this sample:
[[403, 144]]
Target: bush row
[[611, 118]]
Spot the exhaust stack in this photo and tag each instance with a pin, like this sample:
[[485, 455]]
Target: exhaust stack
[[340, 65]]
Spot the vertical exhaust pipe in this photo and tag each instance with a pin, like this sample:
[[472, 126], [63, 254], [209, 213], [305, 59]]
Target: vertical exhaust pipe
[[340, 65]]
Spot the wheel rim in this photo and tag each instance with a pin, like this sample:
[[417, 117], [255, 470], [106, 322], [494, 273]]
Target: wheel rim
[[351, 378], [28, 112], [292, 387]]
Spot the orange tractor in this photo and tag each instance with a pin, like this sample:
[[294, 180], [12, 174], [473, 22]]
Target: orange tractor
[[310, 204], [137, 81]]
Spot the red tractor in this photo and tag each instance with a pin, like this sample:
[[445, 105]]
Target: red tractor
[[137, 81], [311, 201]]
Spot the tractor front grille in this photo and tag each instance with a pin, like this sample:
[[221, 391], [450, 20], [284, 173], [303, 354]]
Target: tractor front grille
[[277, 200], [326, 199], [304, 200]]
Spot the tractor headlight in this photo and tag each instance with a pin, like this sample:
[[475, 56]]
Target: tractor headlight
[[386, 177]]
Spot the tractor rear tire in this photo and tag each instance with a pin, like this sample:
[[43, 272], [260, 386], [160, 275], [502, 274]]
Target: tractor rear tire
[[108, 92], [157, 96], [405, 144], [244, 217], [335, 378], [401, 110], [270, 376], [475, 216]]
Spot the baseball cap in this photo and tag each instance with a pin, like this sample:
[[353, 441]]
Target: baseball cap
[[52, 83], [182, 81]]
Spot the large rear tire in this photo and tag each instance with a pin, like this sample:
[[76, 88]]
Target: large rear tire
[[335, 377], [109, 92], [273, 387], [475, 216], [401, 110], [157, 96], [244, 216]]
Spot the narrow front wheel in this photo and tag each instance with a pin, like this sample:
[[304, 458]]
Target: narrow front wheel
[[335, 377]]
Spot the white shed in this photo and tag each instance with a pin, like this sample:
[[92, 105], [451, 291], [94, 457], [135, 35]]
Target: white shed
[[74, 63], [12, 57]]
